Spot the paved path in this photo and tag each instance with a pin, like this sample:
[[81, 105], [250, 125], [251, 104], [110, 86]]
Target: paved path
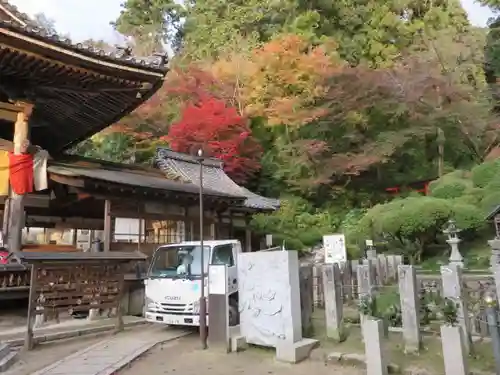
[[108, 356]]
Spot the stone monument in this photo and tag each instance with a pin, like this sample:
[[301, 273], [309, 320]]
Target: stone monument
[[269, 301]]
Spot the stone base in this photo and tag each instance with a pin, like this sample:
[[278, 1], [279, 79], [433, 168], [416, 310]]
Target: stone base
[[295, 352], [238, 344], [338, 335], [237, 341]]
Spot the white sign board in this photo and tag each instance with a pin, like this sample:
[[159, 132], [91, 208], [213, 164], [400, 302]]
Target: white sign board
[[369, 242], [335, 250], [217, 279]]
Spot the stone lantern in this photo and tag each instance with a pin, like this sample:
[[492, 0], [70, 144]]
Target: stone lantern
[[452, 232], [495, 243]]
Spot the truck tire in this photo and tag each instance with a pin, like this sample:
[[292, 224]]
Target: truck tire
[[234, 313]]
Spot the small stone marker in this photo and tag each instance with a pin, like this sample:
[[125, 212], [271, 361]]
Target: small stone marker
[[354, 278], [364, 283], [371, 253], [306, 297], [332, 282], [391, 267], [376, 361], [495, 254], [372, 276], [496, 276], [382, 264], [218, 307], [398, 260], [364, 288], [410, 308], [317, 286], [454, 350], [451, 276], [347, 282]]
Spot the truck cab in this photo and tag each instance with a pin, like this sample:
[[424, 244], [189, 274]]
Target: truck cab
[[173, 283]]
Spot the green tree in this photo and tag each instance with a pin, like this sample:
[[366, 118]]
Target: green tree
[[373, 31], [151, 24]]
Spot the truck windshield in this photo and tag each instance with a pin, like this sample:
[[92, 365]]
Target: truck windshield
[[179, 261]]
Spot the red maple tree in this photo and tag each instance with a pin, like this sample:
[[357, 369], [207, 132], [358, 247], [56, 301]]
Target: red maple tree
[[225, 134]]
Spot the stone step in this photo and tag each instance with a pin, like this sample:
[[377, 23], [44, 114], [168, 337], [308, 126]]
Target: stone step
[[4, 350], [8, 360]]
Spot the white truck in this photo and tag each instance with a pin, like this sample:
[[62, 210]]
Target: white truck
[[173, 283]]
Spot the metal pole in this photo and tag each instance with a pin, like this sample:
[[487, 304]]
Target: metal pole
[[203, 304], [492, 316]]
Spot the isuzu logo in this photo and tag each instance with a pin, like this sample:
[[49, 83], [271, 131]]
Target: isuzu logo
[[172, 298]]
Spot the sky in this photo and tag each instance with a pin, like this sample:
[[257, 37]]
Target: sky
[[89, 19]]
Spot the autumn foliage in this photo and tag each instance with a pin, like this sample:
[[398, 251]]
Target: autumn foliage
[[282, 80], [226, 135]]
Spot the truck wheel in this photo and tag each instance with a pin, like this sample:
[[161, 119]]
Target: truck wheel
[[234, 314]]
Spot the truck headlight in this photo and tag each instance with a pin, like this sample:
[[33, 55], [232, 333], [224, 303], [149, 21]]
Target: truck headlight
[[196, 307], [150, 304]]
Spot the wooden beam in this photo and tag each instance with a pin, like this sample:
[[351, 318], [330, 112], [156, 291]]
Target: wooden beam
[[70, 181]]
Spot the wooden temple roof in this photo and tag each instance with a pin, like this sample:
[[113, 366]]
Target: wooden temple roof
[[184, 166], [77, 90], [130, 181]]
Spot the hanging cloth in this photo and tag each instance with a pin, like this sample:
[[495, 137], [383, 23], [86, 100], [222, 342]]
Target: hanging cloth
[[21, 173], [40, 170], [4, 173]]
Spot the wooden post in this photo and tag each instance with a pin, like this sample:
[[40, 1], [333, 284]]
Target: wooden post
[[119, 312], [212, 231], [28, 341], [74, 239], [248, 237], [6, 217], [90, 239], [107, 225], [231, 226], [17, 218]]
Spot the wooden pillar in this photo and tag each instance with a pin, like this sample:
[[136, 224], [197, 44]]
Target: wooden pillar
[[74, 239], [107, 225], [212, 231], [231, 226], [17, 218], [119, 309], [28, 340], [6, 217], [248, 236]]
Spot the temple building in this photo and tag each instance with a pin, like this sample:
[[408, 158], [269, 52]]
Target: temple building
[[55, 94]]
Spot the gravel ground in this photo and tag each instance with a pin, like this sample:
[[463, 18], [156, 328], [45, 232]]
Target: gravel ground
[[184, 357]]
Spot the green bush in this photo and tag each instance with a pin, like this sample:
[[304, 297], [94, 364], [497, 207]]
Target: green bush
[[449, 189], [297, 224], [490, 201], [484, 173], [493, 185], [469, 218], [414, 219], [451, 185]]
